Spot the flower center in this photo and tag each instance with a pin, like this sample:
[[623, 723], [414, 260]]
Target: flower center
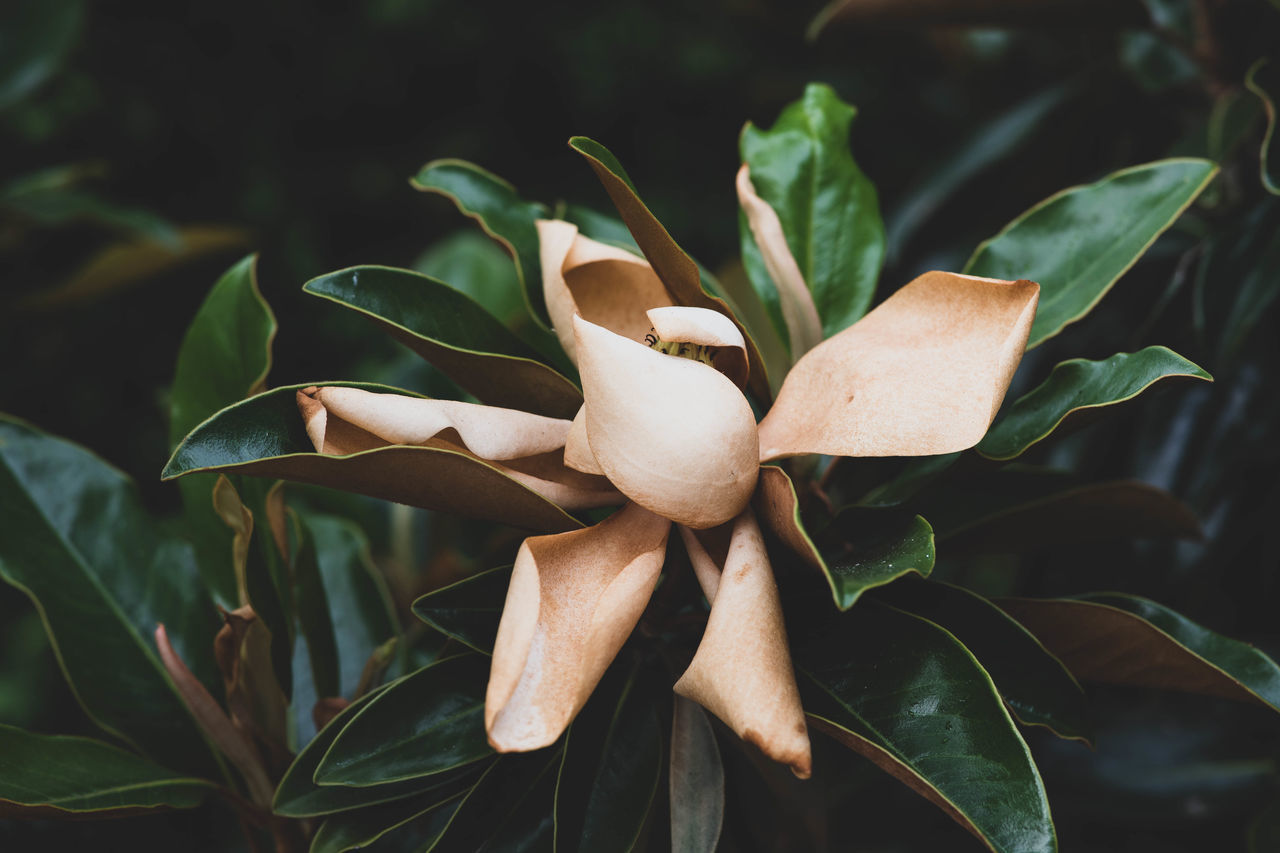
[[681, 349]]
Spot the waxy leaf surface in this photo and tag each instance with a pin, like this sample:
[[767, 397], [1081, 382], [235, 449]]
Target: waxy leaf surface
[[76, 540], [905, 694], [1038, 689], [265, 436], [512, 807], [1078, 243], [57, 776], [697, 780], [803, 169], [454, 333], [410, 824], [876, 548], [1125, 639], [469, 610], [1077, 386], [424, 724]]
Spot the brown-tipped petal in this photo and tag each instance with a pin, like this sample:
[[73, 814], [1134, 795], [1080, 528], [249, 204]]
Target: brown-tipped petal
[[798, 311], [922, 374], [573, 600], [742, 670], [705, 327], [487, 431], [577, 450], [674, 435], [605, 284]]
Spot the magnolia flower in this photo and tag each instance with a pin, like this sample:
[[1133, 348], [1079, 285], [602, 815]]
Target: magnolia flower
[[666, 432]]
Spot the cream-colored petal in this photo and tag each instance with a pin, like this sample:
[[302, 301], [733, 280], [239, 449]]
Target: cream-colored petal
[[525, 447], [674, 435], [573, 601], [922, 374], [804, 327], [577, 450], [487, 431], [742, 670], [607, 285], [702, 326]]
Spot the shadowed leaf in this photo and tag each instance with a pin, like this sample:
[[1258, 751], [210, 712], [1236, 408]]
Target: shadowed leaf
[[469, 610]]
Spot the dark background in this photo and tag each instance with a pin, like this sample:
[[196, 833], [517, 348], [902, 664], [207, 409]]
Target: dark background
[[300, 124]]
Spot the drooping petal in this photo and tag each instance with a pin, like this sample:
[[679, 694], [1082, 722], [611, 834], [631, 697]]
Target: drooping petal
[[342, 421], [577, 450], [922, 374], [573, 600], [674, 435], [607, 285], [708, 328], [742, 670], [804, 327]]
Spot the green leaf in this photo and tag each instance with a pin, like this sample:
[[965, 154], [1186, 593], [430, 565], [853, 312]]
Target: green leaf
[[313, 615], [1124, 639], [425, 723], [510, 808], [1263, 80], [678, 271], [915, 702], [469, 610], [34, 41], [876, 548], [803, 168], [225, 357], [612, 762], [57, 776], [424, 819], [265, 436], [697, 780], [504, 216], [1038, 689], [448, 329], [1079, 242], [1079, 385], [299, 796], [75, 539]]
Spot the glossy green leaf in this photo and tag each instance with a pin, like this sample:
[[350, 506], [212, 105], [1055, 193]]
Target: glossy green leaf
[[991, 142], [504, 216], [313, 615], [915, 702], [679, 272], [298, 795], [422, 819], [1016, 508], [225, 357], [423, 724], [76, 540], [454, 333], [803, 169], [612, 762], [265, 436], [54, 775], [1124, 639], [916, 473], [34, 41], [512, 807], [1263, 80], [1079, 242], [697, 780], [875, 548], [469, 610], [1038, 689], [1077, 386]]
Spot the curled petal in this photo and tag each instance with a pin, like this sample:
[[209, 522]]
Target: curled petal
[[342, 421], [742, 670], [607, 285], [922, 374], [672, 434], [708, 328], [573, 600], [577, 450], [804, 327]]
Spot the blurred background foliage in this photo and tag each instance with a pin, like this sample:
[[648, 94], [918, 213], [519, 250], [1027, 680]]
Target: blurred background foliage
[[146, 145]]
